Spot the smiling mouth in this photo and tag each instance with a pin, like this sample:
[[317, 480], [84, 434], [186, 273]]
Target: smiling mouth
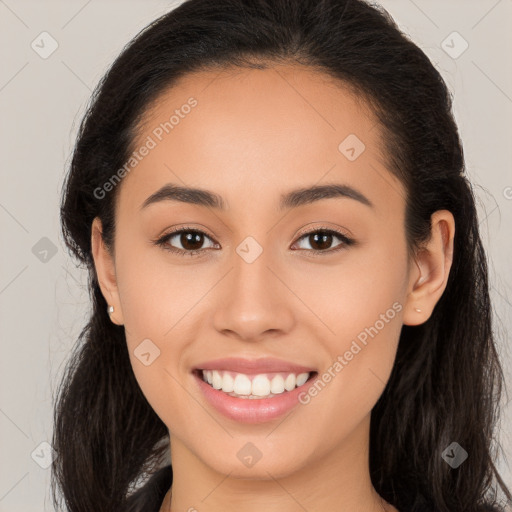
[[254, 386]]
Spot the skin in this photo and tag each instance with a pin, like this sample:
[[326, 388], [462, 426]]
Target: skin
[[254, 135]]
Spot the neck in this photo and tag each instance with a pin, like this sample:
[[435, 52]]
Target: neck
[[336, 481]]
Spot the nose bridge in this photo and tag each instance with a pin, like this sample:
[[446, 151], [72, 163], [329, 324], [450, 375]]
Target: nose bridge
[[251, 273], [254, 300]]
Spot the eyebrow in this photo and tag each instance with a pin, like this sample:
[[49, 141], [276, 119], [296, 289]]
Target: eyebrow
[[292, 199]]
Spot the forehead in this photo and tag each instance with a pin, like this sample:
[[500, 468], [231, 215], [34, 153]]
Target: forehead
[[257, 129]]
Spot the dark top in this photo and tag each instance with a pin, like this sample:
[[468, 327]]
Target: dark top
[[149, 498]]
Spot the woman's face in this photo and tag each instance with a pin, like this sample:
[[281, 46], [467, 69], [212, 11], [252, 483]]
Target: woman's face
[[266, 282]]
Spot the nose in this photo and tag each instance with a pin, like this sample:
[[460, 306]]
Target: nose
[[254, 301]]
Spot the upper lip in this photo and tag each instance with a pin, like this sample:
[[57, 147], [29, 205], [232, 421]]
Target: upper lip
[[252, 366]]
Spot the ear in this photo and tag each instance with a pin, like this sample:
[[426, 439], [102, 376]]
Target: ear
[[428, 281], [106, 272]]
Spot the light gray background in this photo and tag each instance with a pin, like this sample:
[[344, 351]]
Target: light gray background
[[43, 304]]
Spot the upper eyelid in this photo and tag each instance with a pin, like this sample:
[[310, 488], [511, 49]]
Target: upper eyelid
[[309, 231], [186, 230]]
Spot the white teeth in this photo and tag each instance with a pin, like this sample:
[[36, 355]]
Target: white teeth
[[260, 385], [216, 380], [228, 383], [289, 382], [302, 378], [239, 384], [242, 384], [277, 385]]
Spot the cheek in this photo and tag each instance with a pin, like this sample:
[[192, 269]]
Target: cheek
[[157, 292], [361, 305], [365, 288], [161, 304]]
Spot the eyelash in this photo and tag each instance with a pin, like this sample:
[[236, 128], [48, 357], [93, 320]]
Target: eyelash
[[346, 241]]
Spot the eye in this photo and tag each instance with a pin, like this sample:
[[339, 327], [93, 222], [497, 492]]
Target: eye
[[190, 241], [320, 240]]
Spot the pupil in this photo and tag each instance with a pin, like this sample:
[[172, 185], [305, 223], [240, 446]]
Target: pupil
[[322, 239], [189, 239]]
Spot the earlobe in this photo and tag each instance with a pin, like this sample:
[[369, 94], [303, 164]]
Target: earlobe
[[433, 263], [105, 270]]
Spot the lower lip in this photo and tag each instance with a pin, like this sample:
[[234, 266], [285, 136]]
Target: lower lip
[[248, 410]]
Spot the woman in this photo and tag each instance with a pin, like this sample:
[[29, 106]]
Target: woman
[[288, 283]]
